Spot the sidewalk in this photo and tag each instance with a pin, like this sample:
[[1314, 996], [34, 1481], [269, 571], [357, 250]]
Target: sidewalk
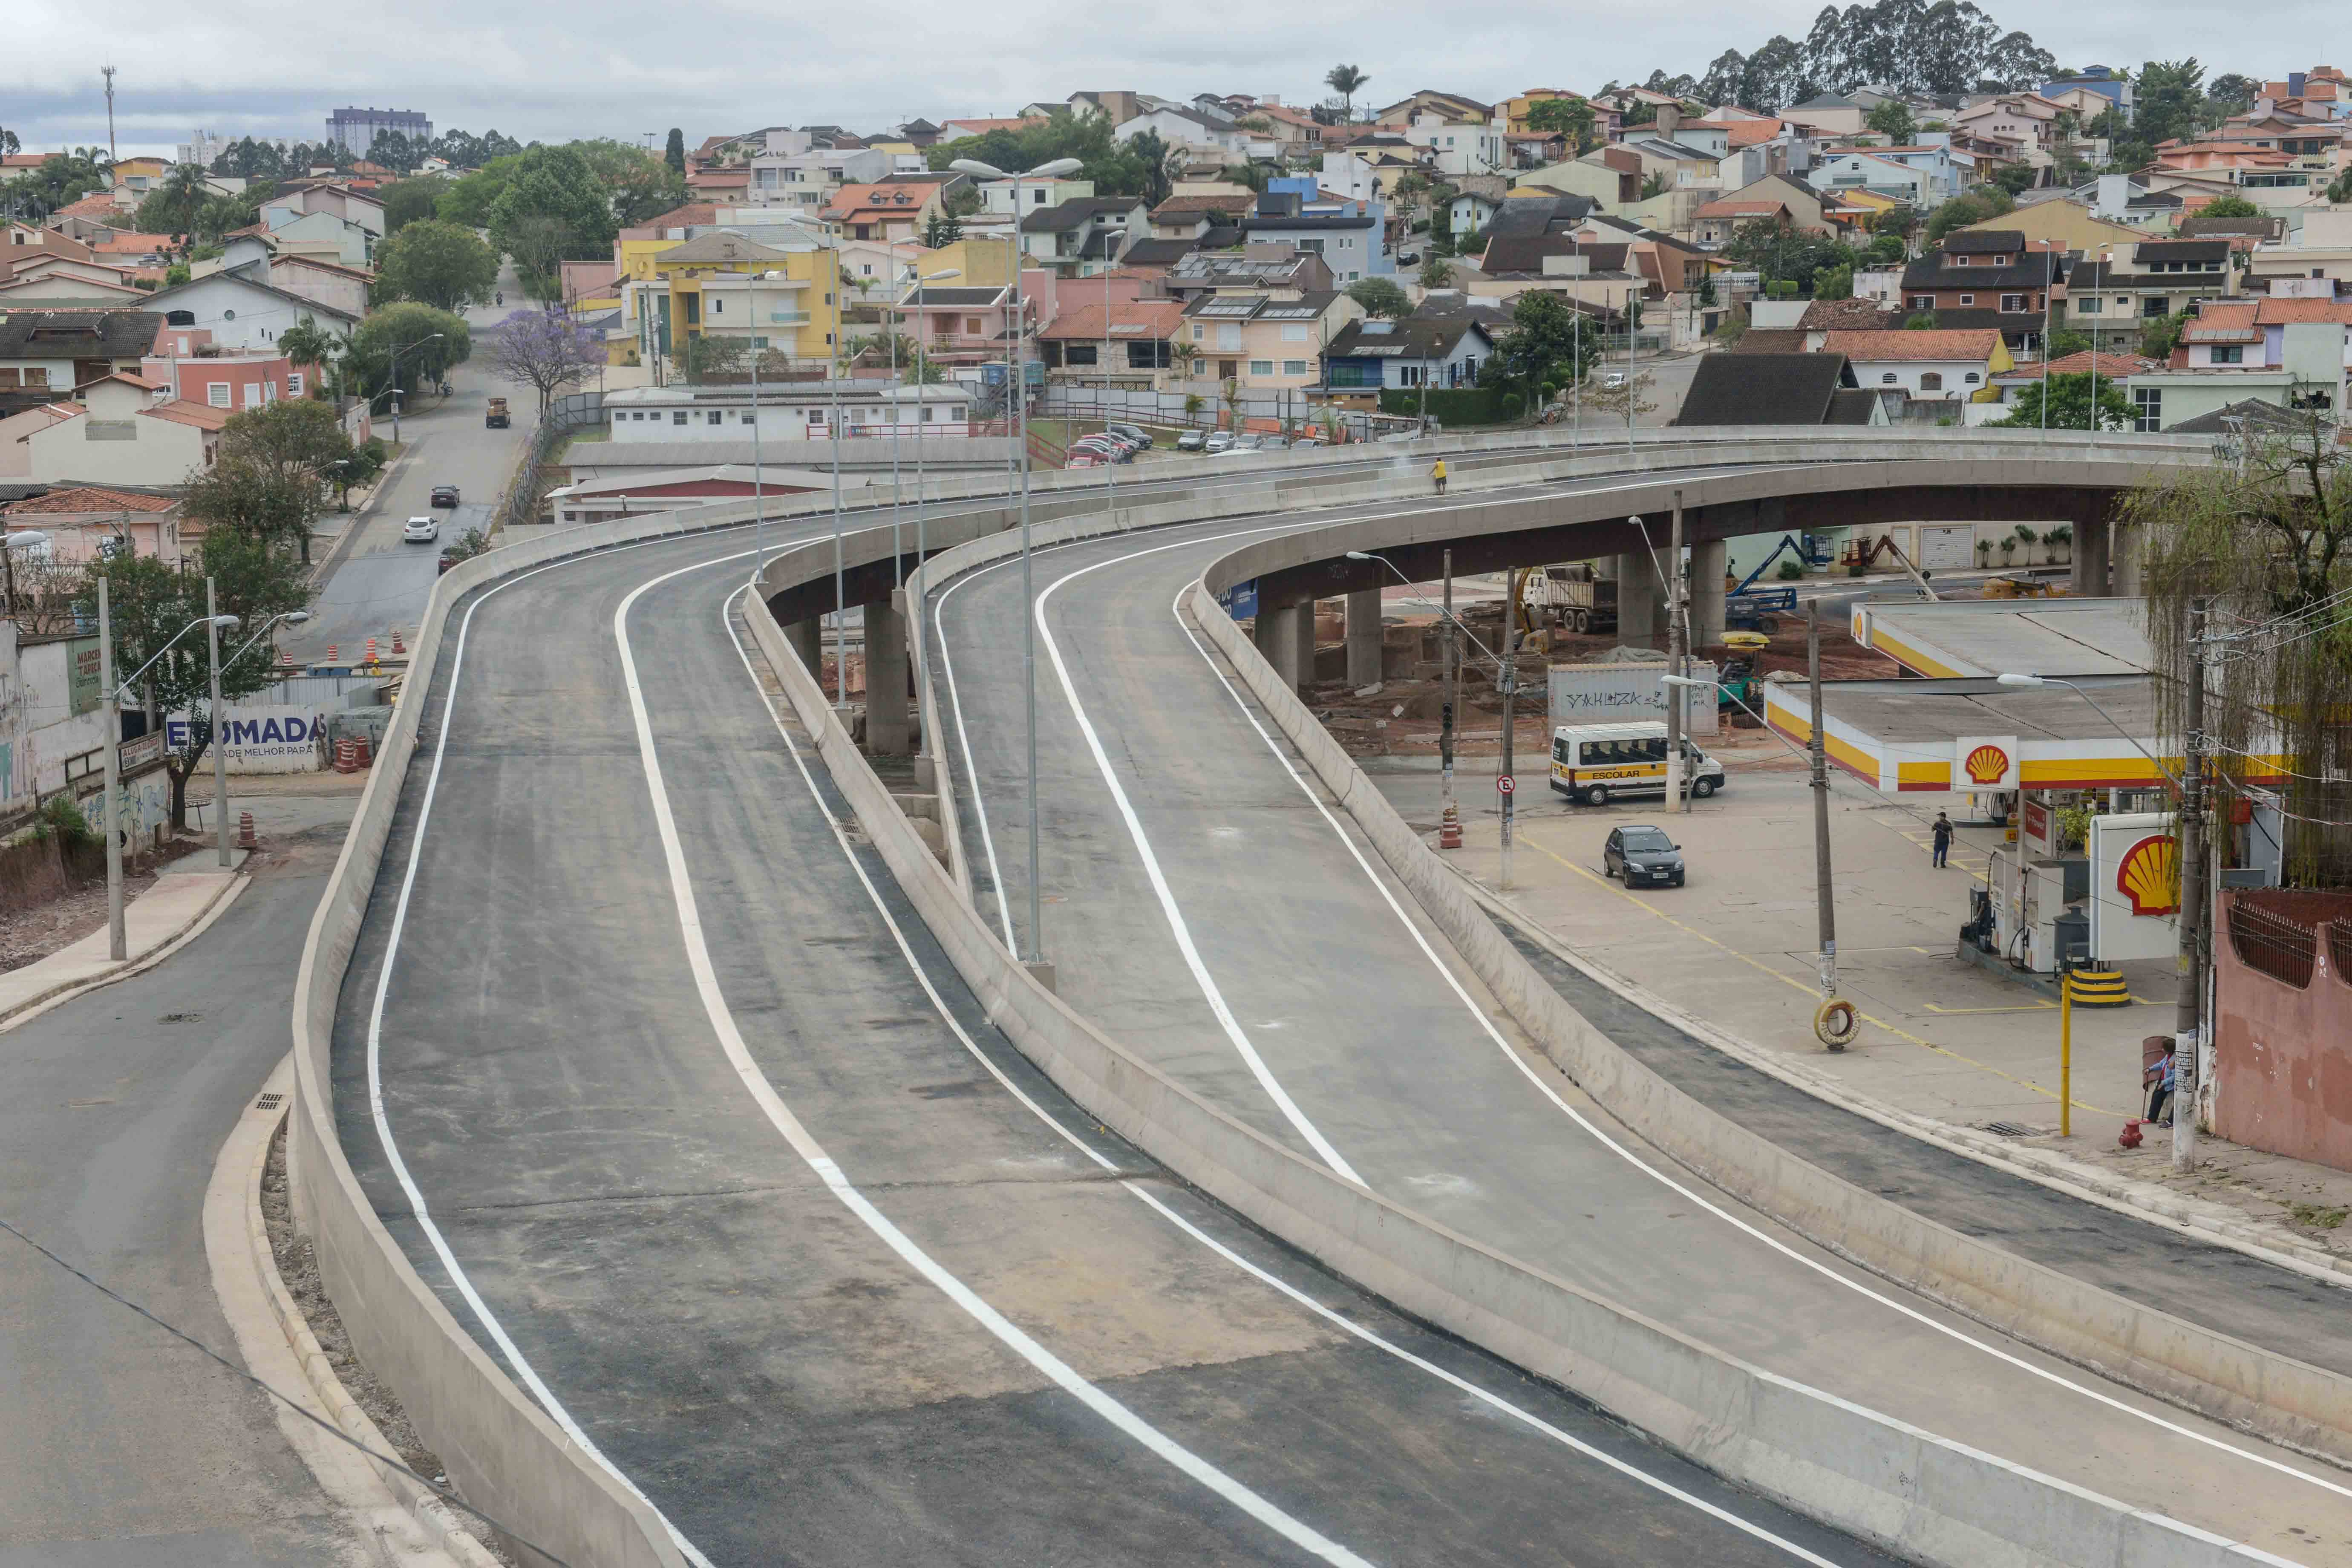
[[1943, 1043], [187, 891]]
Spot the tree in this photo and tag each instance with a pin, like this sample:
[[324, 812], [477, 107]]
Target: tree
[[1972, 207], [149, 603], [1625, 400], [1886, 249], [1833, 283], [394, 150], [707, 358], [271, 473], [308, 344], [2231, 93], [1921, 322], [2266, 541], [1781, 253], [2339, 190], [1436, 272], [941, 228], [1381, 297], [637, 185], [1550, 340], [1652, 186], [2016, 179], [549, 352], [555, 204], [438, 263], [1569, 116], [674, 152], [1896, 221], [62, 179], [539, 243], [2169, 101], [2063, 342], [1157, 161], [1893, 120], [2230, 206], [2159, 335], [1347, 82], [9, 145], [407, 201], [425, 341], [2070, 404]]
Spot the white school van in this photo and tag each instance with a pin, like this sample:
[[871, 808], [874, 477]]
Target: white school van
[[1596, 763]]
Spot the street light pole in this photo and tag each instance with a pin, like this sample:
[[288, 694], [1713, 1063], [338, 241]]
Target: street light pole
[[1019, 394], [220, 752], [2188, 1008], [1511, 673], [1677, 659], [117, 946], [1824, 901]]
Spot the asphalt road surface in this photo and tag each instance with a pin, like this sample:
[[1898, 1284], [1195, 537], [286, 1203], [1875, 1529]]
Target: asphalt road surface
[[121, 1447], [1317, 1003], [760, 1204]]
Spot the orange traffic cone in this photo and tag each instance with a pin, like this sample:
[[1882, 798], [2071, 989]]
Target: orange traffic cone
[[285, 659], [330, 653], [399, 649], [1449, 828], [371, 657], [245, 838]]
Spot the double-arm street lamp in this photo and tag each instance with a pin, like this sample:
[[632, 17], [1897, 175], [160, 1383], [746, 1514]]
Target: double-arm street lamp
[[1019, 392], [394, 369]]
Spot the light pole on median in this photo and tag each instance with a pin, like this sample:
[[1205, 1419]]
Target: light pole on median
[[1020, 394]]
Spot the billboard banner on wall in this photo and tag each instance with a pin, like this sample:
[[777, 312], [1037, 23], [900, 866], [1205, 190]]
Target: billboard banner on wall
[[263, 738]]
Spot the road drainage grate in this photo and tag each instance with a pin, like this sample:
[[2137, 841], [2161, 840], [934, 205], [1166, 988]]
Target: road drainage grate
[[269, 1102], [2009, 1129]]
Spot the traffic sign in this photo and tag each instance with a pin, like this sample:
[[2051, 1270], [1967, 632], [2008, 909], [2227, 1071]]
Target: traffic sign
[[1502, 783]]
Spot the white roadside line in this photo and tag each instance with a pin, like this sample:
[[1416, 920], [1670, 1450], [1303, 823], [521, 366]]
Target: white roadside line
[[963, 743], [971, 1047], [441, 1248], [813, 1153], [1486, 1027]]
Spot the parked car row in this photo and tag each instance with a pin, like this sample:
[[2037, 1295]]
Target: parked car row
[[1218, 442]]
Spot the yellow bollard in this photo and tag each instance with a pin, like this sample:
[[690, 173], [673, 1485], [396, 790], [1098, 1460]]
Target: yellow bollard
[[2066, 1053]]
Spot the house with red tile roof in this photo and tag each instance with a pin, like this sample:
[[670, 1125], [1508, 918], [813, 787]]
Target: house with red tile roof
[[893, 210], [1128, 342], [83, 519], [125, 436], [1953, 366]]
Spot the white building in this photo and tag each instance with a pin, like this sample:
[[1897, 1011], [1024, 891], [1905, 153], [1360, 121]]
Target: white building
[[787, 412]]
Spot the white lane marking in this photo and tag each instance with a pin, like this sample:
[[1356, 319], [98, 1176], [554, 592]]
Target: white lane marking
[[812, 1153], [1168, 907], [1104, 1162], [482, 1313], [963, 739], [1487, 1027]]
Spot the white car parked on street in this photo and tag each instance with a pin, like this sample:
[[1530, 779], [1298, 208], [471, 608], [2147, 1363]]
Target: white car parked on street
[[421, 529]]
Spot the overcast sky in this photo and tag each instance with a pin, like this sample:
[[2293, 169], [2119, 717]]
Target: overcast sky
[[590, 67]]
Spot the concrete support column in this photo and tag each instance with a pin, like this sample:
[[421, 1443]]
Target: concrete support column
[[1278, 638], [1364, 637], [807, 638], [1641, 601], [887, 730], [1302, 653], [2090, 581], [2127, 542], [1709, 559]]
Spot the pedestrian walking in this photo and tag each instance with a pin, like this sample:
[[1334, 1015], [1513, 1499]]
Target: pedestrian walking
[[1438, 473], [2159, 1090], [1943, 834]]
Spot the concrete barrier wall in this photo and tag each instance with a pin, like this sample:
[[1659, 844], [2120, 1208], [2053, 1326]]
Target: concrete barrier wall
[[1915, 1493], [2246, 1385], [506, 1457]]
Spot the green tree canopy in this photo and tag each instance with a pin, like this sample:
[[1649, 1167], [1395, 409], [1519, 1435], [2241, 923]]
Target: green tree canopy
[[555, 204], [674, 151], [1893, 120], [2157, 335], [2070, 404], [272, 471], [405, 329], [1571, 117], [2169, 101], [1785, 253], [1347, 82], [406, 201], [1381, 297], [441, 264], [1550, 340], [2230, 206], [1971, 208]]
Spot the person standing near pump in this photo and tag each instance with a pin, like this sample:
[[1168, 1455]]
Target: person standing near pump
[[1943, 836], [1438, 473]]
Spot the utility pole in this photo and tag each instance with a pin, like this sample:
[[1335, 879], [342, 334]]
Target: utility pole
[[1505, 782], [1677, 660], [1820, 748], [220, 750], [1449, 815], [2187, 1012], [111, 155], [118, 947]]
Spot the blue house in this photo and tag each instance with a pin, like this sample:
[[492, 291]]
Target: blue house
[[1349, 235], [1367, 357]]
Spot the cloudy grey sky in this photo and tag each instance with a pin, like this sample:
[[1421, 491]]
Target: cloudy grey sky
[[534, 70]]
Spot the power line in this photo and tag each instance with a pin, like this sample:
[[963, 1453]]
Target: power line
[[329, 1428]]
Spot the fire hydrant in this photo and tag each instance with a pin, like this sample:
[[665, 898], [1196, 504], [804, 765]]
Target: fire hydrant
[[2129, 1138]]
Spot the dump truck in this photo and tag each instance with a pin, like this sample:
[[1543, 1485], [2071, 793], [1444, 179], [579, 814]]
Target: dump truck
[[1578, 598], [495, 418]]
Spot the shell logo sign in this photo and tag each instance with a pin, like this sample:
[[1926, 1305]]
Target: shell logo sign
[[1988, 764], [2149, 875]]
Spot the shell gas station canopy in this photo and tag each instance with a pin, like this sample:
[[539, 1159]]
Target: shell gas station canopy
[[1956, 728]]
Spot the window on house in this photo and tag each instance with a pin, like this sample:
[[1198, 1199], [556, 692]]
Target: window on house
[[1931, 381], [1294, 331], [1293, 367], [1261, 367], [679, 417], [2148, 408], [2012, 302], [294, 384], [1971, 378], [1889, 379], [1922, 301], [2229, 353], [1963, 260], [2088, 307], [1968, 298], [750, 418], [714, 416], [1196, 332], [216, 393], [718, 306], [1078, 353]]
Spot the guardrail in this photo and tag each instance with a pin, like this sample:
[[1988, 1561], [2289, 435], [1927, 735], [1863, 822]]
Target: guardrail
[[506, 1455]]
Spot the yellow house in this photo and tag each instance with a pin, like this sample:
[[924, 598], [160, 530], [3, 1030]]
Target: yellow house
[[2071, 224], [984, 263], [722, 285], [1512, 113], [143, 176]]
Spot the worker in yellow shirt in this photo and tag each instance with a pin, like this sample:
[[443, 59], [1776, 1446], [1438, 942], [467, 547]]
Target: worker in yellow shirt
[[1438, 473]]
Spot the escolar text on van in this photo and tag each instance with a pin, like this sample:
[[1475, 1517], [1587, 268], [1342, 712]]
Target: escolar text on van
[[1596, 763]]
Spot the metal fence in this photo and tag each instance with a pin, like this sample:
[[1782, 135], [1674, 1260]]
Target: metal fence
[[572, 411], [1258, 410], [2273, 944]]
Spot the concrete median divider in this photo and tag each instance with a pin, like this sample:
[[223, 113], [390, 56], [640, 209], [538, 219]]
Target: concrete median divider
[[2257, 1390], [507, 1457], [1919, 1495]]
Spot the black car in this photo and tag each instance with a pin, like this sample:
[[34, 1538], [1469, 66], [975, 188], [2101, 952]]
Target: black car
[[1135, 433], [445, 495], [1643, 855]]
